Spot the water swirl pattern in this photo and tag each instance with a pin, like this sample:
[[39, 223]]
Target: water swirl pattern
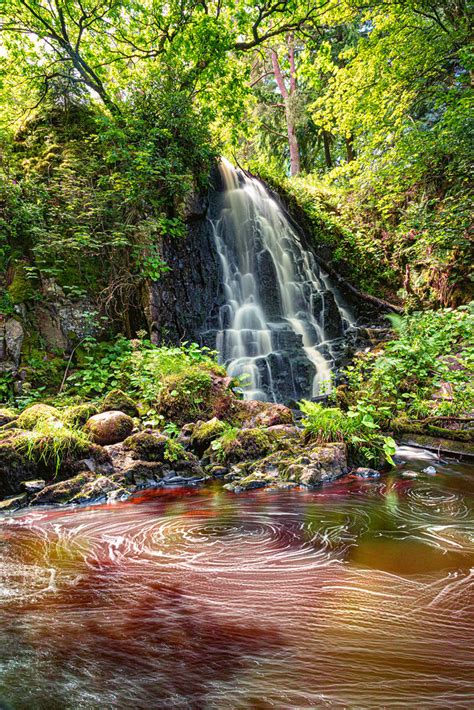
[[359, 595], [282, 321]]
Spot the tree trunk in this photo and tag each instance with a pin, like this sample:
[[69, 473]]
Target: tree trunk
[[327, 149], [295, 165], [351, 154]]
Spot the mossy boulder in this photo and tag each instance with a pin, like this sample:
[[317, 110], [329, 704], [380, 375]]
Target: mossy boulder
[[116, 400], [20, 288], [147, 445], [109, 427], [195, 394], [204, 433], [247, 444], [37, 413], [77, 415], [7, 415], [15, 467]]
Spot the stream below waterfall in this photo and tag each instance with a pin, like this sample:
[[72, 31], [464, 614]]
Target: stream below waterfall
[[358, 595]]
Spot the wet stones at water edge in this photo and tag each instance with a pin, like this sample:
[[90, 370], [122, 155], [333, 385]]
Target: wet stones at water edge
[[113, 455]]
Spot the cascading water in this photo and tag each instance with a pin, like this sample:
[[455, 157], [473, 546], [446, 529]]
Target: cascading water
[[281, 321]]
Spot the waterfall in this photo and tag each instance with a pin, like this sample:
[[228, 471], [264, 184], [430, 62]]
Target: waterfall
[[281, 321]]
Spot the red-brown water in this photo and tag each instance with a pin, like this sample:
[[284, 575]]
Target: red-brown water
[[356, 596]]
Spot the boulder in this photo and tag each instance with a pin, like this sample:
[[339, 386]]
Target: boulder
[[37, 413], [78, 414], [204, 433], [96, 489], [7, 415], [116, 400], [247, 444], [147, 445], [198, 393], [13, 502], [264, 414], [33, 486], [109, 427], [320, 465]]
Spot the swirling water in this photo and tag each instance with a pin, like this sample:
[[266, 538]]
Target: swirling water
[[355, 596]]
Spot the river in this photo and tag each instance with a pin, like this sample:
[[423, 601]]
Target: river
[[359, 595]]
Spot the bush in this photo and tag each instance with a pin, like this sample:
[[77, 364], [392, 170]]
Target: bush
[[356, 428], [431, 348]]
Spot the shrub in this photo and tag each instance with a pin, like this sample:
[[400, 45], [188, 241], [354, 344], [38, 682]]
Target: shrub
[[356, 428]]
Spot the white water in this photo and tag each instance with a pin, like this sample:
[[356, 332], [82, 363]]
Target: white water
[[274, 329]]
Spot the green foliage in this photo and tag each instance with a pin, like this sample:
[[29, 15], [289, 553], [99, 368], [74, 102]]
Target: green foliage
[[135, 366], [431, 348], [355, 427]]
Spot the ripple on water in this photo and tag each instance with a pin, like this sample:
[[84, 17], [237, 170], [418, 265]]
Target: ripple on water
[[357, 596]]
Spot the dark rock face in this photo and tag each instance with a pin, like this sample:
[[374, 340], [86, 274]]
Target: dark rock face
[[184, 303]]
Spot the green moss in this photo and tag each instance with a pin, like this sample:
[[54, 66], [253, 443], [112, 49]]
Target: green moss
[[50, 443], [118, 400], [19, 289], [35, 414], [204, 433], [146, 445], [186, 397], [247, 444], [77, 415], [7, 414]]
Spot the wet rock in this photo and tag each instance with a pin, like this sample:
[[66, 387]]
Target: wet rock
[[430, 470], [37, 413], [320, 465], [63, 491], [109, 427], [97, 489], [13, 502], [366, 472], [204, 433], [148, 445], [116, 400], [33, 486]]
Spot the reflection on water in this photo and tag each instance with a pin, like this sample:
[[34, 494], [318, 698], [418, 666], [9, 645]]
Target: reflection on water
[[359, 595]]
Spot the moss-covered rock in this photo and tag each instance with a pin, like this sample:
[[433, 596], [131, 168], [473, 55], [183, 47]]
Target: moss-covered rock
[[37, 413], [147, 445], [109, 427], [77, 415], [7, 415], [19, 289], [246, 444], [116, 400], [63, 491], [15, 467], [204, 433], [310, 467]]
